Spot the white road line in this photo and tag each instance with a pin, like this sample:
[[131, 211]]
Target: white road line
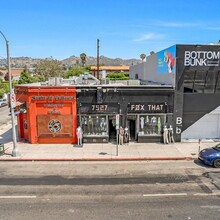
[[206, 194], [18, 197], [168, 194], [181, 194]]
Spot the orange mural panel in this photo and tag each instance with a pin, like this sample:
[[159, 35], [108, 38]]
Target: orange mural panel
[[55, 126]]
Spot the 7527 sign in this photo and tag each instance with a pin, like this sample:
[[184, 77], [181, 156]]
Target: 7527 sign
[[99, 108]]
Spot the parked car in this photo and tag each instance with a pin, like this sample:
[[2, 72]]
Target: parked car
[[211, 156], [3, 104]]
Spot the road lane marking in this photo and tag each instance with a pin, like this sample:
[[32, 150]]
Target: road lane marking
[[167, 194], [181, 194], [18, 197], [206, 194]]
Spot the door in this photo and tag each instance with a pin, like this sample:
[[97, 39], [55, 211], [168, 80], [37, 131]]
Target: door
[[112, 130], [132, 129]]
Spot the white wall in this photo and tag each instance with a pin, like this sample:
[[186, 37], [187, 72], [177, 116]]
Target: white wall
[[207, 127]]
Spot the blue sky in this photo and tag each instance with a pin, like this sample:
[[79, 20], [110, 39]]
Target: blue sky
[[126, 28]]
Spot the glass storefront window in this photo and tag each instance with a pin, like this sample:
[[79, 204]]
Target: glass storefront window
[[200, 82], [217, 87], [94, 125], [151, 124]]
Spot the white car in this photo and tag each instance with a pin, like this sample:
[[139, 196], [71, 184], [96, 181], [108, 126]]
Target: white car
[[3, 102]]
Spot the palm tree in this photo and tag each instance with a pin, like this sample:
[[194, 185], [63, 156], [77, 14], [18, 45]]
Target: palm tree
[[83, 58], [143, 56]]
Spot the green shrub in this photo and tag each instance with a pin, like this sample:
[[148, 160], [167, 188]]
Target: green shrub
[[118, 76]]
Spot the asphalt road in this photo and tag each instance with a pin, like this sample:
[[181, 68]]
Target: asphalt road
[[4, 115], [103, 190]]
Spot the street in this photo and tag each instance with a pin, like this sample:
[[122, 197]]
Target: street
[[103, 190], [4, 115]]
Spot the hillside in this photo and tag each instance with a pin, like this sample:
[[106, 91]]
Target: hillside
[[20, 62]]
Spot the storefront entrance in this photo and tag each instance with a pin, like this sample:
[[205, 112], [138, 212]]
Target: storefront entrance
[[132, 129], [112, 130]]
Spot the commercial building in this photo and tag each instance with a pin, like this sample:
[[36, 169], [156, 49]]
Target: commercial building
[[144, 110], [178, 87], [46, 114], [194, 73], [51, 114]]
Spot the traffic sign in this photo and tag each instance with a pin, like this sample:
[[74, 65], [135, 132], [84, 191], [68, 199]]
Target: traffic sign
[[117, 121], [13, 100]]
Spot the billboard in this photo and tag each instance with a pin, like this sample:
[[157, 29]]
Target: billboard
[[166, 60]]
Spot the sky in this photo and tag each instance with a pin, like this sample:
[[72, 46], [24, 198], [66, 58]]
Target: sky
[[125, 28]]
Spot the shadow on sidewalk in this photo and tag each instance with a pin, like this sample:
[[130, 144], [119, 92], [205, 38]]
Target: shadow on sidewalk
[[6, 137]]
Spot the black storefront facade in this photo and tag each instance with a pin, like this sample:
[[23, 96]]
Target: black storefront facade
[[198, 90], [194, 73], [144, 110]]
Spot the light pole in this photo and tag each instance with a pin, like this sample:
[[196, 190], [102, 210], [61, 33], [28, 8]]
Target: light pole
[[15, 150]]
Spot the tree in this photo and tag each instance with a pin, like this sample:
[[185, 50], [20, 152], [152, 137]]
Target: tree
[[75, 71], [143, 56], [152, 52], [2, 92], [83, 58], [4, 88], [26, 77], [49, 67]]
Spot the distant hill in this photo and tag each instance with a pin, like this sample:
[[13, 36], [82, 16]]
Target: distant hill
[[20, 62]]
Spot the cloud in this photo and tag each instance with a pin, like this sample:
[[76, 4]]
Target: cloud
[[149, 36], [177, 24]]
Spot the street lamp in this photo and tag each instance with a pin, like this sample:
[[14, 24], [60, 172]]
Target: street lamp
[[15, 150]]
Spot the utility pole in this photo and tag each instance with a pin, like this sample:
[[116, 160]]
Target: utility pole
[[15, 150], [97, 58]]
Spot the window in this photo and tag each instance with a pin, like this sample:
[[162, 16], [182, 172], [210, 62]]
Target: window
[[188, 82], [217, 85], [94, 125], [151, 124], [210, 82], [201, 82]]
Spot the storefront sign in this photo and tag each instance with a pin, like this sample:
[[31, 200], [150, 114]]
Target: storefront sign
[[109, 108], [54, 112], [147, 108], [179, 122], [53, 105], [201, 58], [99, 107], [52, 98]]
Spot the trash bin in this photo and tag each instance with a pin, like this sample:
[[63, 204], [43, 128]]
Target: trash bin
[[2, 148]]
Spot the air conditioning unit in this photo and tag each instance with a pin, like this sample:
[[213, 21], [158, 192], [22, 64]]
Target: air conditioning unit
[[54, 81]]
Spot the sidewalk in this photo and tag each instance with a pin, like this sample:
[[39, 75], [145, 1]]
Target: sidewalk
[[99, 152]]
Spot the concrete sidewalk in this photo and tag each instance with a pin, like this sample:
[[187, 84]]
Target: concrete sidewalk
[[99, 152]]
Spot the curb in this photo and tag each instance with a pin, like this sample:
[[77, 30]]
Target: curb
[[97, 159]]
